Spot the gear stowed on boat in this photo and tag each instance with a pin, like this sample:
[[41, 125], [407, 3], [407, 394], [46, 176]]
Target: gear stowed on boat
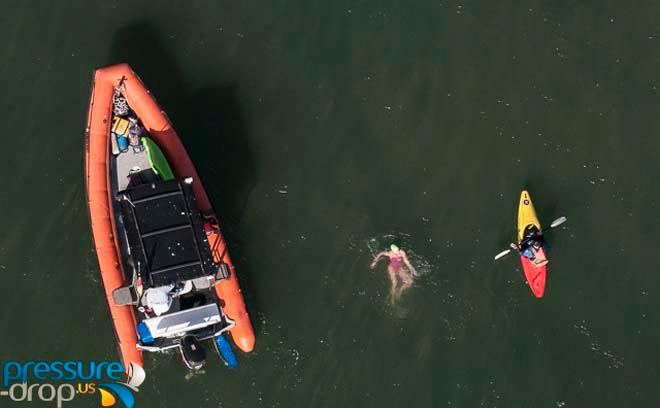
[[168, 278]]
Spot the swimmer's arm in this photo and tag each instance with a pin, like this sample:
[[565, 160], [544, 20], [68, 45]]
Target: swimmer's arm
[[377, 258], [409, 265]]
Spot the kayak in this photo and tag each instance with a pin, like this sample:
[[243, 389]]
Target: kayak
[[535, 274]]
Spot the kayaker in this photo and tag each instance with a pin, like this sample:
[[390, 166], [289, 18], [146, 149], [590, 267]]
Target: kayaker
[[527, 251], [531, 243], [399, 269]]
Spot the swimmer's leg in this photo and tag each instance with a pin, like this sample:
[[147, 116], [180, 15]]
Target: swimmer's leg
[[393, 282], [406, 281]]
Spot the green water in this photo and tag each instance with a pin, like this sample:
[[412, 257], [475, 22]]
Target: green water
[[324, 130]]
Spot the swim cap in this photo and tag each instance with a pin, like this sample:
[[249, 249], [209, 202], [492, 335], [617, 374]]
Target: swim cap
[[393, 247]]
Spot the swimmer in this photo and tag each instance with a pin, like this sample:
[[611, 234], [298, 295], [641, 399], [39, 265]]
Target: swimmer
[[399, 268]]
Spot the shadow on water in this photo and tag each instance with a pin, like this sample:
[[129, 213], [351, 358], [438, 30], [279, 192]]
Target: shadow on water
[[209, 122]]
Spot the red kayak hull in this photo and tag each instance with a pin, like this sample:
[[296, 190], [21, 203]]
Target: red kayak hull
[[535, 276]]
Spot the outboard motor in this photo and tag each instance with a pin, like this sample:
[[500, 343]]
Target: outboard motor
[[192, 352]]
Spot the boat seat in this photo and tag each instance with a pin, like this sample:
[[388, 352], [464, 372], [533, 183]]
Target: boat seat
[[187, 287], [126, 295], [205, 282]]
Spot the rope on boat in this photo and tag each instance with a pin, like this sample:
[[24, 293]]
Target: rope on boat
[[119, 104]]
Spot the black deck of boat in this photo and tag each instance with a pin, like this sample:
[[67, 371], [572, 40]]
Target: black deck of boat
[[165, 232]]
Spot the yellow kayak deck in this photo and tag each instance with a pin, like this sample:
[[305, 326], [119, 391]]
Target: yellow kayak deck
[[526, 214]]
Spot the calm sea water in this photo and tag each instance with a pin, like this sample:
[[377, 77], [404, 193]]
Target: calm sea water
[[323, 131]]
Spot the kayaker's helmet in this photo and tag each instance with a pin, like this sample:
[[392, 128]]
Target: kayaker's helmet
[[394, 248]]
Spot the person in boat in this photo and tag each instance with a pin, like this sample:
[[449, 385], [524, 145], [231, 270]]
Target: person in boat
[[157, 300], [400, 270], [134, 133], [531, 244]]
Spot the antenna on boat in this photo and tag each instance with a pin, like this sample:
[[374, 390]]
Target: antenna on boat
[[136, 271], [125, 197]]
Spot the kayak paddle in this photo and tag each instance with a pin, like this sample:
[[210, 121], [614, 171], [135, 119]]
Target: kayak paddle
[[554, 224], [558, 222], [502, 254]]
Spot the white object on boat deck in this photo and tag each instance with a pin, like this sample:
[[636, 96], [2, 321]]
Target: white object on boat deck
[[136, 376], [159, 299], [183, 321]]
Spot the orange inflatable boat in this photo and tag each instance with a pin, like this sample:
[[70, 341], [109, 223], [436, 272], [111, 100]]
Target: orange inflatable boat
[[167, 274]]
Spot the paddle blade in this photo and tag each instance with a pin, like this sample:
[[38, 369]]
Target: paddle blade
[[558, 222], [502, 254]]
